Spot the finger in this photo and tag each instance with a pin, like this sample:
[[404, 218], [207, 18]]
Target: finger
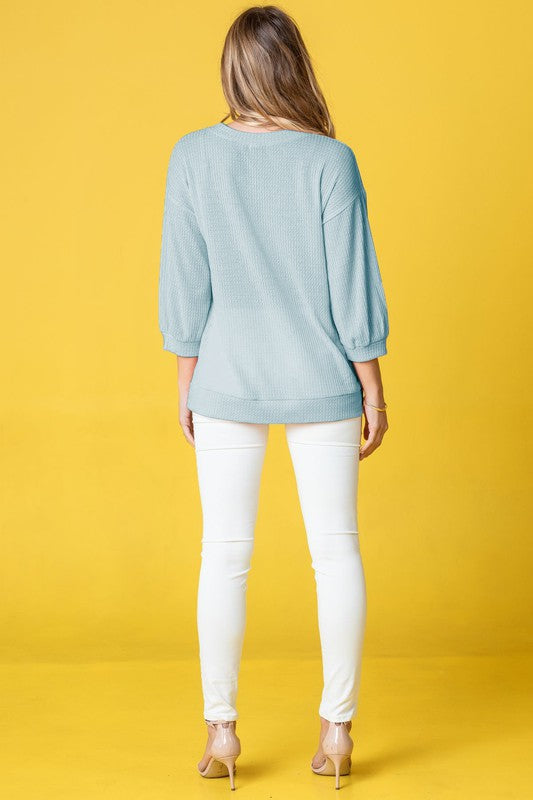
[[374, 442], [369, 446], [188, 432]]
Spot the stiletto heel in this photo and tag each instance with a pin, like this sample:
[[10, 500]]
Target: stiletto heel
[[337, 746], [338, 760], [223, 751], [229, 761]]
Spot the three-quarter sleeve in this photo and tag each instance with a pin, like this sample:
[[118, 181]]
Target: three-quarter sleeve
[[357, 296], [185, 294]]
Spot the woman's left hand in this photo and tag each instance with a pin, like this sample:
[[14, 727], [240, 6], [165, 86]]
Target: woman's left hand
[[186, 419], [186, 366]]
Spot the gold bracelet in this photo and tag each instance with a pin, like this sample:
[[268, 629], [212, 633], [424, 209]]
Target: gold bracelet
[[366, 403]]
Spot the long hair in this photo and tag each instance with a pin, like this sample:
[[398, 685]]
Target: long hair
[[267, 74]]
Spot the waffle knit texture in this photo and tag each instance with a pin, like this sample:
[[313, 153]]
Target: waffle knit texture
[[269, 275]]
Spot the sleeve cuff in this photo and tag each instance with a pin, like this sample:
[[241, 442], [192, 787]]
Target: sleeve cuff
[[367, 352], [180, 348]]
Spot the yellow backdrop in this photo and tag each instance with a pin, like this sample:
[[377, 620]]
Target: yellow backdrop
[[101, 515]]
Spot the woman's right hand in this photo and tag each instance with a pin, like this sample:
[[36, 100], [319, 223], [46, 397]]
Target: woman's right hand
[[376, 423], [374, 429]]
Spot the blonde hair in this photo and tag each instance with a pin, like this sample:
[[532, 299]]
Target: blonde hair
[[267, 74]]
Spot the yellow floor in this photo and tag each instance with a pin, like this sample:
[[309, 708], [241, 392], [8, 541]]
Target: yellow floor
[[426, 729]]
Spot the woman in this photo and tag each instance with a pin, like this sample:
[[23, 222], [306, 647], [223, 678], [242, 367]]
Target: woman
[[271, 297]]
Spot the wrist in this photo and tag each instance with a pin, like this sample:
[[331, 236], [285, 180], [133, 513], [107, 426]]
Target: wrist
[[375, 397]]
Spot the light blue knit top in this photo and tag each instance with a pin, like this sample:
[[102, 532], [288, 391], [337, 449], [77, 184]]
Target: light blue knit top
[[269, 274]]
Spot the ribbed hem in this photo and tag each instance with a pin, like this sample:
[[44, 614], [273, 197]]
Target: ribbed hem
[[367, 352], [240, 409], [180, 348]]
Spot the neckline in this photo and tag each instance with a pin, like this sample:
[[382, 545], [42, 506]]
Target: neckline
[[253, 138]]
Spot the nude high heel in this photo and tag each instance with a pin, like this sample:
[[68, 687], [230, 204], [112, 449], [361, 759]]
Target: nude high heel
[[223, 751], [337, 746]]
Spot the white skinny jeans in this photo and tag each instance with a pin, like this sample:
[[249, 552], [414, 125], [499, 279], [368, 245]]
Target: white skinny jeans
[[325, 458]]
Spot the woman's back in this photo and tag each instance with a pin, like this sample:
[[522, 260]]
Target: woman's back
[[269, 274]]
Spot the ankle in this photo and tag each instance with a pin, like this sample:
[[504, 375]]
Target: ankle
[[224, 722], [325, 721]]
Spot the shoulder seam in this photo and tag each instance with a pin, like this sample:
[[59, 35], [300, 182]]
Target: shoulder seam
[[345, 206]]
